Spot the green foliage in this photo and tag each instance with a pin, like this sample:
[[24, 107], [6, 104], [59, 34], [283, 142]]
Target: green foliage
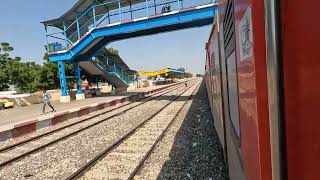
[[4, 59], [188, 75], [182, 69], [25, 76], [31, 77], [28, 76], [49, 76], [113, 51], [46, 57], [180, 75], [6, 48], [3, 74]]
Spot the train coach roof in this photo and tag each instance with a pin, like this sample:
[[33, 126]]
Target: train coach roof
[[82, 6]]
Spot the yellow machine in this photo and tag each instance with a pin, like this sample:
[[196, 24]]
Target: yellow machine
[[156, 73], [6, 104]]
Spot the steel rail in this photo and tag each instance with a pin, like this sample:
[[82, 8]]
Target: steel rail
[[9, 147], [6, 148], [138, 168], [105, 152], [2, 164]]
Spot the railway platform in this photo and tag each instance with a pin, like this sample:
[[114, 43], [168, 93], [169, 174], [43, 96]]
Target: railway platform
[[23, 120]]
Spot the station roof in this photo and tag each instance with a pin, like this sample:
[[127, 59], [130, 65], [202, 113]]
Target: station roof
[[82, 6]]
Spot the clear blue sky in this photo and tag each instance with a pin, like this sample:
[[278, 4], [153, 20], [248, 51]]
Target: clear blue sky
[[20, 26]]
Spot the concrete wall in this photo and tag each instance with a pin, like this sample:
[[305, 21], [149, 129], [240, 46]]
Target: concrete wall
[[106, 89], [55, 94], [36, 98], [26, 101]]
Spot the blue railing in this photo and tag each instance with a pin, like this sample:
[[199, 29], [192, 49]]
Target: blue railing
[[81, 25], [114, 69]]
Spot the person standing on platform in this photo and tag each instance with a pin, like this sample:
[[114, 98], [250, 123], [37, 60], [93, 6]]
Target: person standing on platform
[[166, 8], [46, 101]]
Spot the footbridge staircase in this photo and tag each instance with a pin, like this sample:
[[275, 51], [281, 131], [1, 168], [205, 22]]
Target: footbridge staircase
[[111, 67]]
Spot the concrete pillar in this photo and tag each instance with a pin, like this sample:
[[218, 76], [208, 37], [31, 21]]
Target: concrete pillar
[[113, 90], [64, 98]]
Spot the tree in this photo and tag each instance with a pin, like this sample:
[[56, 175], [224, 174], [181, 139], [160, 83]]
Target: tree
[[113, 51], [24, 76], [17, 58], [188, 75], [180, 75], [3, 77], [49, 76], [6, 48], [182, 69], [46, 57], [31, 77]]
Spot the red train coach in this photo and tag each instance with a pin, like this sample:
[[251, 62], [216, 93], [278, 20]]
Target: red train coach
[[262, 77]]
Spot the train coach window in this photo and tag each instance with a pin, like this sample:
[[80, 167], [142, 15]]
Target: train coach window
[[232, 78], [233, 92]]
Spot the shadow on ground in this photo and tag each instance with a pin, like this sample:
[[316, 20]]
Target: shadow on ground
[[196, 152]]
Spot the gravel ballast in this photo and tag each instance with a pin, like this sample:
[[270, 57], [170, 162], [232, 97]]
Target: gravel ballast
[[190, 149], [119, 163]]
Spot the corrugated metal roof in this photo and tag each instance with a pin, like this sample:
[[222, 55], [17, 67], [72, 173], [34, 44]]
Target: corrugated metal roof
[[82, 6]]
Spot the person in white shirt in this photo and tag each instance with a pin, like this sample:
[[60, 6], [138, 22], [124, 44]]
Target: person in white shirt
[[46, 101]]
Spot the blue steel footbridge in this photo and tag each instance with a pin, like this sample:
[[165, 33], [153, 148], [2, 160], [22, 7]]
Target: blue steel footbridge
[[80, 35]]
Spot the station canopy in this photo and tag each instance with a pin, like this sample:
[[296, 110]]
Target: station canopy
[[82, 6]]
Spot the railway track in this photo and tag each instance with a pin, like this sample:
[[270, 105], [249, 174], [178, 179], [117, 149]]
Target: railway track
[[125, 157], [19, 150]]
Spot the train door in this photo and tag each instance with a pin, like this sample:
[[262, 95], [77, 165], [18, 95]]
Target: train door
[[294, 93], [230, 91]]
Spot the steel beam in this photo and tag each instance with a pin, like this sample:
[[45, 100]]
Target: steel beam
[[78, 77], [63, 81], [78, 27]]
